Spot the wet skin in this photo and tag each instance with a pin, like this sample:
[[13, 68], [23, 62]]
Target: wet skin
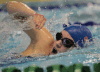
[[58, 47], [42, 41]]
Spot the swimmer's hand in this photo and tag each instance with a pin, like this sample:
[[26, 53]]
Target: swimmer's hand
[[39, 20]]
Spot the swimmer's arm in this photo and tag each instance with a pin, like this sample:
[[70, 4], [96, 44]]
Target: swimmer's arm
[[19, 9], [41, 40]]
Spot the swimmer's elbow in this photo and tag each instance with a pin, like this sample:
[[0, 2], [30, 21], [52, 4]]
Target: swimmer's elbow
[[20, 9], [11, 7]]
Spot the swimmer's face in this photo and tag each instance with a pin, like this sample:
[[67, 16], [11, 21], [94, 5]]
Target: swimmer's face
[[58, 46]]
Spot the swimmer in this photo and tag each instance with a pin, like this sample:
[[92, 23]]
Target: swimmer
[[42, 41]]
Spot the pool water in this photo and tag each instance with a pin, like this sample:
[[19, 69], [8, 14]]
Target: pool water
[[14, 40]]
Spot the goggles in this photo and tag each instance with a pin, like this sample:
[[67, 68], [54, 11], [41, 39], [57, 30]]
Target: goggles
[[65, 41]]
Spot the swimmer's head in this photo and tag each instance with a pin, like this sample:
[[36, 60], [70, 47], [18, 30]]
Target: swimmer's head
[[74, 35], [79, 34]]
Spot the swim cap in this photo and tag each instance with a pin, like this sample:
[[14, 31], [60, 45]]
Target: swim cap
[[79, 33]]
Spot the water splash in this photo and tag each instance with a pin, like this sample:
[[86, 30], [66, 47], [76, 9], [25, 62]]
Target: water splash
[[14, 29], [11, 24], [53, 24], [85, 55]]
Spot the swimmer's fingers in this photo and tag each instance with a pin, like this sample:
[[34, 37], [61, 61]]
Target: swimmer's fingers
[[35, 17], [42, 24], [40, 20]]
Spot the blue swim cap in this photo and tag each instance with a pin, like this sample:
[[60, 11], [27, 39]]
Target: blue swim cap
[[78, 33]]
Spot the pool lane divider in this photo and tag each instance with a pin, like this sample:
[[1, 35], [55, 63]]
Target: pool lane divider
[[97, 67], [56, 68], [33, 68], [11, 69], [51, 7], [4, 1], [88, 23]]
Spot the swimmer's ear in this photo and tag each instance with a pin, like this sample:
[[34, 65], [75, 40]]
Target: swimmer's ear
[[85, 38]]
